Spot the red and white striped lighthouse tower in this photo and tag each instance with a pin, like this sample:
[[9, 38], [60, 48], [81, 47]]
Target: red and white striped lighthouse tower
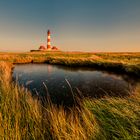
[[48, 40]]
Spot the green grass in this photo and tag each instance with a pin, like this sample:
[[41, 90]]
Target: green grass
[[23, 116], [118, 118]]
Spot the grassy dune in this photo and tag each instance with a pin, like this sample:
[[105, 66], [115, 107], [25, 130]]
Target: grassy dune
[[23, 116]]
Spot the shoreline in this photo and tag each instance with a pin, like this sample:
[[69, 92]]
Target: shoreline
[[125, 63], [109, 67], [95, 66]]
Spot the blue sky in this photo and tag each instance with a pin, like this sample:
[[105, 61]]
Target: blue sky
[[76, 25]]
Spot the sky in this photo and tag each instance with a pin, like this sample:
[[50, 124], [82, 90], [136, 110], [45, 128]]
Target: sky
[[75, 25]]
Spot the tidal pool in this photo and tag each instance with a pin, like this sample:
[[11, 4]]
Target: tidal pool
[[62, 83]]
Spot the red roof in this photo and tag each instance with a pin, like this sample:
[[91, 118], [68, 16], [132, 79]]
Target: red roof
[[54, 48], [42, 47]]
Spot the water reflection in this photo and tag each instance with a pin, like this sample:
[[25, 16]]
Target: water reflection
[[62, 81]]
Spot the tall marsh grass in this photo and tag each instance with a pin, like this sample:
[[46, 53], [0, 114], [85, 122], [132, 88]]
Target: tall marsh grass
[[24, 117]]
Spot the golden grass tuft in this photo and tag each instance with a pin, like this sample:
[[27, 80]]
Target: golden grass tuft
[[76, 124]]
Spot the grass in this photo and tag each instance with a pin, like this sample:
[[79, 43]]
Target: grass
[[118, 118], [119, 62], [23, 116]]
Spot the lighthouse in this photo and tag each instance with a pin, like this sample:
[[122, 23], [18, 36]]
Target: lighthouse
[[48, 40], [48, 47]]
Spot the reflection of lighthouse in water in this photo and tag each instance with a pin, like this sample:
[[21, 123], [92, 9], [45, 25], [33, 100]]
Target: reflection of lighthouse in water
[[48, 40], [49, 69]]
